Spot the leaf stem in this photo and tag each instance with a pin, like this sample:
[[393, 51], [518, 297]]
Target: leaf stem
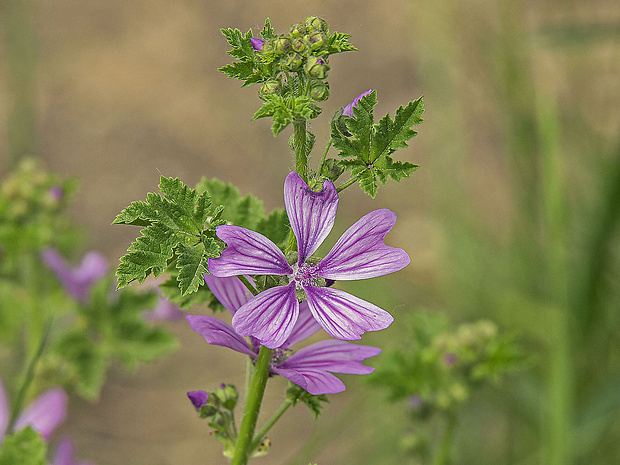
[[351, 181], [443, 455], [29, 375], [272, 421], [329, 144], [243, 446]]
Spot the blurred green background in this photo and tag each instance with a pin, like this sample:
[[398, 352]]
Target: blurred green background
[[513, 215]]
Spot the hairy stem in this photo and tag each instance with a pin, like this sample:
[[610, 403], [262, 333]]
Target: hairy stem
[[243, 446], [299, 144], [329, 144], [443, 456], [350, 182]]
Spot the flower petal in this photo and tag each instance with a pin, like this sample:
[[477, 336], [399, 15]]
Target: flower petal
[[65, 454], [5, 411], [361, 253], [45, 413], [305, 327], [218, 333], [343, 315], [270, 316], [230, 291], [248, 252], [334, 356], [314, 381], [310, 213]]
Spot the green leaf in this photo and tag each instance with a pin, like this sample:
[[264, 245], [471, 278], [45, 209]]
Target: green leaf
[[284, 110], [203, 295], [242, 70], [298, 394], [339, 42], [24, 447], [241, 45], [268, 32], [177, 221], [244, 211], [276, 227]]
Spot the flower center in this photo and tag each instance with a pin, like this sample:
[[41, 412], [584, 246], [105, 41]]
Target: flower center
[[280, 355], [306, 274]]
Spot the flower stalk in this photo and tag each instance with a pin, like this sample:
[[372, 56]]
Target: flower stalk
[[243, 446], [299, 144], [272, 421]]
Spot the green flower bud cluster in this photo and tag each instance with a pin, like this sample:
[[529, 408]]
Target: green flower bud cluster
[[219, 409], [303, 51]]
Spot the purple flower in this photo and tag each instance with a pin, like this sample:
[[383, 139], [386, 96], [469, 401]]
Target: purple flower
[[359, 254], [55, 192], [77, 281], [65, 454], [311, 367], [43, 415], [348, 110], [198, 398], [164, 310], [257, 44]]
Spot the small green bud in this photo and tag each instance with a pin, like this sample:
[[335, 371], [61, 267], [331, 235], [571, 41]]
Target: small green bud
[[317, 40], [316, 68], [298, 45], [331, 169], [282, 45], [227, 395], [298, 30], [293, 62], [270, 88], [319, 91], [314, 23]]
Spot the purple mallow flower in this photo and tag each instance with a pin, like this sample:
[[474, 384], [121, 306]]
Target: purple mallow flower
[[311, 367], [359, 254], [348, 110], [43, 415], [65, 454], [257, 44], [77, 281]]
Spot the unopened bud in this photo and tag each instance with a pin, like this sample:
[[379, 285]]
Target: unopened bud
[[298, 30], [316, 68], [293, 62], [228, 396], [270, 88], [298, 45], [314, 23], [282, 45], [317, 40], [319, 91]]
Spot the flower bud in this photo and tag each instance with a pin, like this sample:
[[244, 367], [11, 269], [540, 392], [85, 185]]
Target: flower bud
[[228, 396], [282, 45], [270, 88], [293, 62], [314, 23], [204, 403], [316, 68], [317, 40], [298, 45], [298, 30], [319, 91], [257, 44]]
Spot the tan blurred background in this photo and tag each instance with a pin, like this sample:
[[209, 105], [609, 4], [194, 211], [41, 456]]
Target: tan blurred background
[[126, 91]]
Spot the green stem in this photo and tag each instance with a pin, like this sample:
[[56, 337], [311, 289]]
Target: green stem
[[272, 421], [329, 144], [29, 375], [347, 184], [248, 284], [443, 456], [243, 446], [299, 144]]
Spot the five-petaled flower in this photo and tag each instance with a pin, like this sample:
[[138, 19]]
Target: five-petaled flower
[[359, 254], [309, 367]]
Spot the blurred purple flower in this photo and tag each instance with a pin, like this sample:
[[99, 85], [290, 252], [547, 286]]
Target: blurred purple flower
[[164, 310], [257, 44], [55, 192], [198, 398], [311, 367], [449, 358], [78, 280], [415, 402], [348, 110], [359, 254], [43, 415], [65, 454]]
